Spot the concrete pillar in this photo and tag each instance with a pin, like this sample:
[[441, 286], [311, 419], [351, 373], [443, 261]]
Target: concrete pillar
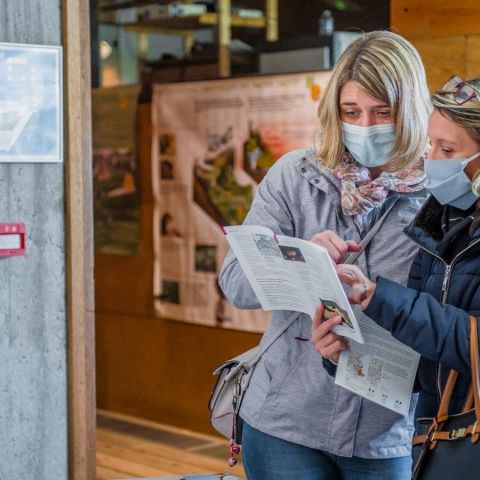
[[33, 357]]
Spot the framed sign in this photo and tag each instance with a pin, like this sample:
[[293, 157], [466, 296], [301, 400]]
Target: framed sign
[[31, 129]]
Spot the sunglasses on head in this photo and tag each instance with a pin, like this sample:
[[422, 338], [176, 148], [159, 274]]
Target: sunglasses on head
[[463, 92]]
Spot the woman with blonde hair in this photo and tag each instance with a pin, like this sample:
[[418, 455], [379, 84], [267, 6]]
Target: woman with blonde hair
[[432, 314], [373, 115]]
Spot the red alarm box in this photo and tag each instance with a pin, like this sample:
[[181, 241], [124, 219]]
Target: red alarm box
[[12, 239]]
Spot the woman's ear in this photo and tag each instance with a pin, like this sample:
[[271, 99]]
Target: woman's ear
[[476, 183], [472, 169]]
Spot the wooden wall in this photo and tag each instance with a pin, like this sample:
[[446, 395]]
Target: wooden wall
[[446, 33], [150, 367]]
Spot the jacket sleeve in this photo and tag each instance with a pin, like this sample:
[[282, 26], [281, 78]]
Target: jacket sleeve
[[437, 331], [270, 208]]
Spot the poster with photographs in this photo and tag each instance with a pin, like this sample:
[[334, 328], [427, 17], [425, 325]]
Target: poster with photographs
[[116, 203], [214, 142]]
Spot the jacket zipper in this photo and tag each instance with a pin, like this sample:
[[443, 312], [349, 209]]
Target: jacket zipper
[[444, 290]]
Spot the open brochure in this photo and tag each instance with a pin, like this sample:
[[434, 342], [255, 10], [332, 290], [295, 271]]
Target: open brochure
[[292, 274], [382, 369], [288, 273]]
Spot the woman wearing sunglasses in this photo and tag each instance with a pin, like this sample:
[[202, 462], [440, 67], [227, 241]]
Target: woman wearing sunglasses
[[432, 314], [373, 114]]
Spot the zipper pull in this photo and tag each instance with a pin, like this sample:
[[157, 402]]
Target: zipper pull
[[445, 282]]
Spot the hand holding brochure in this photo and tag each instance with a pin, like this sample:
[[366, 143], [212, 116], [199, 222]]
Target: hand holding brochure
[[382, 370], [288, 273]]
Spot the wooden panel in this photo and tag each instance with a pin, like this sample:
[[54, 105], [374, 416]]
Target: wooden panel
[[125, 283], [159, 369], [79, 228], [473, 56], [442, 58], [424, 18]]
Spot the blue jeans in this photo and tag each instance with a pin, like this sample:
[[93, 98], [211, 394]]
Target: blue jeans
[[270, 458]]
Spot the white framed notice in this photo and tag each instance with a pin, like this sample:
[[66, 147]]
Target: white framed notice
[[31, 105]]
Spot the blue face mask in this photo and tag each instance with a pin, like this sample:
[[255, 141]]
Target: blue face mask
[[448, 183], [370, 146]]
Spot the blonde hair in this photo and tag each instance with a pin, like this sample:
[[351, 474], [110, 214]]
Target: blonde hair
[[466, 115], [390, 69]]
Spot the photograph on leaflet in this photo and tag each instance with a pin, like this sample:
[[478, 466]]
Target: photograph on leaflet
[[331, 309], [292, 254]]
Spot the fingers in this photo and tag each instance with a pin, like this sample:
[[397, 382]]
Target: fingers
[[353, 246], [332, 352], [331, 346], [362, 293], [358, 293], [339, 244], [324, 327], [336, 247], [351, 275], [325, 341]]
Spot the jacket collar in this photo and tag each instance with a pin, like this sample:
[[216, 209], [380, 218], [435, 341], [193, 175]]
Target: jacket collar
[[426, 227], [310, 168]]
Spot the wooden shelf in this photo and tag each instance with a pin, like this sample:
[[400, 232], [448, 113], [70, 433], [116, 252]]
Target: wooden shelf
[[111, 6], [187, 25], [192, 22]]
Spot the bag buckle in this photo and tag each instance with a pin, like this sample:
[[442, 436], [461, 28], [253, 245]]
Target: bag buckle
[[457, 433]]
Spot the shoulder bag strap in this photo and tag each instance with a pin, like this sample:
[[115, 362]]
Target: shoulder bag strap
[[262, 349], [442, 414], [474, 365], [474, 390], [352, 257]]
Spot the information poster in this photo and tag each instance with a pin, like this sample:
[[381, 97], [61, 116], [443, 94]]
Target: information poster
[[31, 129], [116, 203], [213, 143]]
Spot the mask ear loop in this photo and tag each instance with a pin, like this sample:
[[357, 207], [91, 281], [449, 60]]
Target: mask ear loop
[[476, 184], [476, 191]]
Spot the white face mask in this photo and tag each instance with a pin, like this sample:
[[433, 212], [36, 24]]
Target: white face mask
[[448, 183], [370, 146]]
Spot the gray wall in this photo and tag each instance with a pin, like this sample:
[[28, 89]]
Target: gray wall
[[33, 367]]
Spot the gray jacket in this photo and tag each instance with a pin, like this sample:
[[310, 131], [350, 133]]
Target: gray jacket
[[291, 396]]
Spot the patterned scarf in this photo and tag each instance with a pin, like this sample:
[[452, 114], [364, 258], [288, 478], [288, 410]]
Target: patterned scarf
[[361, 194]]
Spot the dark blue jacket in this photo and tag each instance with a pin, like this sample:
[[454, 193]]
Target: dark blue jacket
[[432, 314]]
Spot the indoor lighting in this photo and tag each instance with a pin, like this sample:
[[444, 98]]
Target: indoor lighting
[[105, 49]]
